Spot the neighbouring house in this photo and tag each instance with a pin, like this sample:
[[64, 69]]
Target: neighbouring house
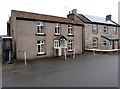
[[99, 33], [119, 12], [6, 45], [119, 19], [40, 35], [0, 47]]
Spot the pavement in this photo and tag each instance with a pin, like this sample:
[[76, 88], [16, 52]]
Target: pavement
[[21, 63], [86, 70]]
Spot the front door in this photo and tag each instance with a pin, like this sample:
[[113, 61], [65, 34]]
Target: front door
[[62, 46], [60, 51], [116, 44], [113, 45]]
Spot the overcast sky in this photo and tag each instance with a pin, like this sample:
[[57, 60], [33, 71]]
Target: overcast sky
[[58, 8]]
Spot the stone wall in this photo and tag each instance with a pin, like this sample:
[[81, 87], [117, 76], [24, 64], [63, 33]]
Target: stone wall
[[89, 35]]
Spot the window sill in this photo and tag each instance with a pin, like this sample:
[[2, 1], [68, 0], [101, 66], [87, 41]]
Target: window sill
[[57, 48], [70, 35], [70, 51], [57, 34], [41, 54], [41, 34]]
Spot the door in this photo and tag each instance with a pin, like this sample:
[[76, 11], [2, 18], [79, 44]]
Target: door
[[116, 44], [113, 45], [60, 50]]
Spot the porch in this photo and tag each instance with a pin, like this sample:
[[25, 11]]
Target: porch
[[60, 45]]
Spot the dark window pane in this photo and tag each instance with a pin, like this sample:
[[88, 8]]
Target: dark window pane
[[38, 48], [38, 29]]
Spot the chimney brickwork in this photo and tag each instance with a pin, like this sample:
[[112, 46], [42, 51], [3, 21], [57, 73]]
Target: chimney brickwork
[[108, 18]]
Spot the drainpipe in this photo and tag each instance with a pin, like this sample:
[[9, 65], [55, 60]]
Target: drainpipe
[[83, 39]]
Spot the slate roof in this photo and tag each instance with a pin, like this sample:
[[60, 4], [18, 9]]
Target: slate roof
[[36, 16], [98, 19], [109, 37], [95, 19]]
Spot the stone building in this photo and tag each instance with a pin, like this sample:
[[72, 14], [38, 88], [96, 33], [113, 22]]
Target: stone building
[[41, 35], [119, 19], [0, 47], [99, 33]]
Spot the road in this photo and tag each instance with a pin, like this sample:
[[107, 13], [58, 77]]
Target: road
[[84, 71]]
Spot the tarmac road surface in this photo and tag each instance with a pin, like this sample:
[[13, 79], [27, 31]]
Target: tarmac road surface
[[84, 71]]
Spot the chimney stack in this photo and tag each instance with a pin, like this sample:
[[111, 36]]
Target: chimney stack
[[72, 14], [74, 11], [108, 18]]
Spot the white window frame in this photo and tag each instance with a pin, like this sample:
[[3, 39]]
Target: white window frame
[[104, 42], [94, 28], [64, 44], [105, 29], [40, 28], [115, 43], [110, 43], [70, 29], [70, 45], [56, 44], [95, 42], [57, 29], [41, 43], [115, 30]]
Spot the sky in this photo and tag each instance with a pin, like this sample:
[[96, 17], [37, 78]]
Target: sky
[[119, 12], [60, 8]]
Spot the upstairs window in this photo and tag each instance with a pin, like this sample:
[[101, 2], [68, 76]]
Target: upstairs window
[[95, 42], [70, 30], [115, 30], [105, 29], [41, 47], [40, 28], [94, 28], [57, 29]]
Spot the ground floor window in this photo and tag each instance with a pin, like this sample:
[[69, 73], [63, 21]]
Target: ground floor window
[[110, 42], [116, 43], [70, 45], [41, 47], [95, 42], [56, 44], [104, 43]]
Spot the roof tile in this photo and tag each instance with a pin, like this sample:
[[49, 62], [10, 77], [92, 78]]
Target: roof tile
[[43, 17]]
